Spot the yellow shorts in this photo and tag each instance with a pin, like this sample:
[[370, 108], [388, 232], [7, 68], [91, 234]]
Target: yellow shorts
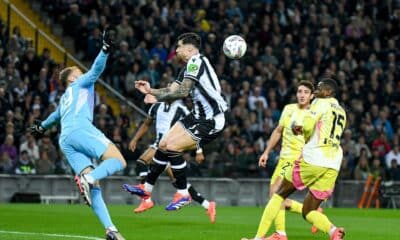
[[280, 169], [320, 180]]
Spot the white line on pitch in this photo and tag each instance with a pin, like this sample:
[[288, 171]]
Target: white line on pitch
[[51, 235]]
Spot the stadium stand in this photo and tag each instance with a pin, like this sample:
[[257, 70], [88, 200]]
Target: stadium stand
[[287, 41]]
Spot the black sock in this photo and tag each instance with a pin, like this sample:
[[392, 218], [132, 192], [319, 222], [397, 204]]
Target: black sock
[[195, 195], [180, 176], [178, 167], [141, 170], [156, 169]]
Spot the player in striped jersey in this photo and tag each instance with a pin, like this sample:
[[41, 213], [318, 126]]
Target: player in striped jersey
[[164, 115], [291, 150], [204, 124], [317, 168]]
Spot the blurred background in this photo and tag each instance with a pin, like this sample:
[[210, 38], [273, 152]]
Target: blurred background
[[356, 42]]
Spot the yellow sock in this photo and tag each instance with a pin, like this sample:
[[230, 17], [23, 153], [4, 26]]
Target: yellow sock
[[319, 220], [270, 212], [280, 221], [296, 207]]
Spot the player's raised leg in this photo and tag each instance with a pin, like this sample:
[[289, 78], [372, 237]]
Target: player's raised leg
[[112, 162], [175, 143], [81, 164]]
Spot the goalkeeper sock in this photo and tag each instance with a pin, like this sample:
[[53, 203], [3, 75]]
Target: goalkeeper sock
[[106, 168], [319, 220], [296, 207], [280, 222], [100, 208], [270, 212]]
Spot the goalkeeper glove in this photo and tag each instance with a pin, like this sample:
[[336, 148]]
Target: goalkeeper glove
[[36, 129], [109, 38]]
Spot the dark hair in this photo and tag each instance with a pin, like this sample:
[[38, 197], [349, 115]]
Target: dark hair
[[328, 84], [190, 38], [307, 84]]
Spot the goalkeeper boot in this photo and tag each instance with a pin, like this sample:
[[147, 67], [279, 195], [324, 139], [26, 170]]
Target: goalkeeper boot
[[113, 235], [277, 236], [84, 188], [338, 234], [144, 205], [178, 202], [137, 190], [314, 229], [212, 211]]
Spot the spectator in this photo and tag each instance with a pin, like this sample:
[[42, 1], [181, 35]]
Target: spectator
[[45, 145], [9, 148], [394, 154], [94, 44], [6, 163], [362, 170], [72, 20], [25, 164], [256, 99], [225, 164], [349, 142], [384, 124], [345, 172], [361, 145], [394, 171], [381, 145], [30, 147], [45, 165], [377, 170]]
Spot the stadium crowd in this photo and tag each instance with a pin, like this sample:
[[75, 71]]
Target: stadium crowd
[[288, 41]]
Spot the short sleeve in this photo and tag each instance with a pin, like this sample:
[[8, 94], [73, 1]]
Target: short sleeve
[[312, 116], [181, 74], [283, 115], [194, 68], [153, 110], [185, 110]]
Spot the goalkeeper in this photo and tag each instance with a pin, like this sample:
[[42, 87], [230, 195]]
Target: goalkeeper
[[79, 140]]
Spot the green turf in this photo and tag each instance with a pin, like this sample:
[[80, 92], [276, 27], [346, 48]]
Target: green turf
[[188, 223]]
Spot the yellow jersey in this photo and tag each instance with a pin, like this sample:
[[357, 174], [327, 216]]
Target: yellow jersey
[[323, 126], [292, 144]]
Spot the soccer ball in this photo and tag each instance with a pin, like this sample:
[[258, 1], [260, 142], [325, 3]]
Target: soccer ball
[[234, 47]]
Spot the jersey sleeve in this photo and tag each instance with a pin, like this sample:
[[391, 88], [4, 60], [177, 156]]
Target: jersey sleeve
[[97, 68], [153, 110], [194, 68], [312, 116], [181, 74], [52, 119], [184, 109], [282, 117]]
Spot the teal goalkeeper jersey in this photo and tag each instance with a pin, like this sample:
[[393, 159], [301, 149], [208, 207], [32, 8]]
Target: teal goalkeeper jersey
[[75, 110]]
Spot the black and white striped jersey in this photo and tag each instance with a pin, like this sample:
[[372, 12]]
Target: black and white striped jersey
[[166, 115], [206, 93]]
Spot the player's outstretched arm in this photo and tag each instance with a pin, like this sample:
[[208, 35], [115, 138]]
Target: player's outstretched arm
[[173, 92], [272, 141], [144, 127], [99, 63]]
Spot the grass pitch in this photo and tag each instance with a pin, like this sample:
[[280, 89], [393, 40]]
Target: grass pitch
[[38, 222]]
